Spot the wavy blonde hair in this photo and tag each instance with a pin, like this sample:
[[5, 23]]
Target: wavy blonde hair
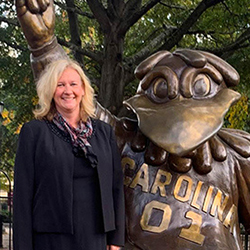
[[46, 86]]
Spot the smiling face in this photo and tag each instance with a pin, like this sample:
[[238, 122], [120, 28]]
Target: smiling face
[[69, 93]]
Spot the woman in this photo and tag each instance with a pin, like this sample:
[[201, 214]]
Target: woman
[[68, 190]]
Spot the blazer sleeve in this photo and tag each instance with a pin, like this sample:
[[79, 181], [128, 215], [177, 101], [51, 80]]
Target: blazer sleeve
[[117, 237], [23, 190]]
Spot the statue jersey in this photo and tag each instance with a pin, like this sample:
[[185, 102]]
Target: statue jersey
[[168, 210]]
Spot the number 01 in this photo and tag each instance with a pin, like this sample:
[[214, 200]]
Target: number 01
[[192, 233]]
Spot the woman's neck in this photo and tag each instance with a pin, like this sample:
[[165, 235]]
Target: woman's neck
[[72, 119]]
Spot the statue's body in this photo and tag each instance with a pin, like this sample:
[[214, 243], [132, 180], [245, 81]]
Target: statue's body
[[186, 179]]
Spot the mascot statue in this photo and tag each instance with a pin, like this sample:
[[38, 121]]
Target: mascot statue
[[186, 178]]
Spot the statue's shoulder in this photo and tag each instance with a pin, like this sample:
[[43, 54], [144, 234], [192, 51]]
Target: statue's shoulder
[[237, 140]]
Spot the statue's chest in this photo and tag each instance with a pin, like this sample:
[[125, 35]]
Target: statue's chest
[[165, 208]]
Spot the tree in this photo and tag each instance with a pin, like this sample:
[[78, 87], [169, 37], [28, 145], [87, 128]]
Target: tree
[[111, 37], [116, 19], [218, 26]]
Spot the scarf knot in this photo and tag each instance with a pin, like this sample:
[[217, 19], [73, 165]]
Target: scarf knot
[[79, 137]]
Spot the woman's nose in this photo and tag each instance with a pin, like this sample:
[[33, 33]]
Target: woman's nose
[[67, 89]]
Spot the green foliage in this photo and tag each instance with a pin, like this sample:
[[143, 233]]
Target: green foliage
[[241, 62], [16, 91], [90, 34], [237, 116]]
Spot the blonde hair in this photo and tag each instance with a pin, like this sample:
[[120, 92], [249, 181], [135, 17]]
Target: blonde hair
[[46, 86]]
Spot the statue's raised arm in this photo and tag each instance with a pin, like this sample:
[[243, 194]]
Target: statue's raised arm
[[37, 19]]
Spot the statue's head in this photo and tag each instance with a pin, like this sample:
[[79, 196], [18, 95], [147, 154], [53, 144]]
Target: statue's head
[[182, 98]]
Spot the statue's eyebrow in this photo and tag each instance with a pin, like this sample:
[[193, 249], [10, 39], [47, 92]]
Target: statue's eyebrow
[[230, 75], [148, 64], [168, 74], [198, 59], [191, 57]]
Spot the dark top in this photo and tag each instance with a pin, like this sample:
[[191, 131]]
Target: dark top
[[87, 215], [44, 188]]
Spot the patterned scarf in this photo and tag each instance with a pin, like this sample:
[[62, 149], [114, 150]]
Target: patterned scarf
[[79, 137]]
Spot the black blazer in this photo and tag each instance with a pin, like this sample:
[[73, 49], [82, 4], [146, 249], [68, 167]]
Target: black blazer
[[43, 181]]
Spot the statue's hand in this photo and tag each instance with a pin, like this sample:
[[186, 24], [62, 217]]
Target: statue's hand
[[37, 19]]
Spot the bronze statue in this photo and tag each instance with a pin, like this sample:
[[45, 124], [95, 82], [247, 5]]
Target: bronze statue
[[186, 178]]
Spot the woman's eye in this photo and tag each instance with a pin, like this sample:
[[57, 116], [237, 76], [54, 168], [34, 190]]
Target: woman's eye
[[201, 86], [60, 84], [160, 88], [73, 84]]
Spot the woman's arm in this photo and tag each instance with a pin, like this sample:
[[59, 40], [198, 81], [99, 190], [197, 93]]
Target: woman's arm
[[117, 237], [23, 191]]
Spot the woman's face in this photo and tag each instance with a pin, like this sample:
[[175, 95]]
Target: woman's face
[[69, 92]]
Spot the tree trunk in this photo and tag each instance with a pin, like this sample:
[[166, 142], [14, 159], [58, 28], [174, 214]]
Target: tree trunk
[[74, 29], [112, 74]]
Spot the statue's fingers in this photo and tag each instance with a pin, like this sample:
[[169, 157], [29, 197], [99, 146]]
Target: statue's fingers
[[30, 24], [41, 27], [20, 7], [33, 6], [37, 34], [19, 3], [49, 17], [43, 4]]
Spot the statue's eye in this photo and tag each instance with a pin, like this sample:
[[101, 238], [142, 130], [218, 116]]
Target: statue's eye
[[201, 86], [160, 88]]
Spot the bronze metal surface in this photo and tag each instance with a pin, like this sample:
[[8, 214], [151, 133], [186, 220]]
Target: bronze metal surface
[[181, 125]]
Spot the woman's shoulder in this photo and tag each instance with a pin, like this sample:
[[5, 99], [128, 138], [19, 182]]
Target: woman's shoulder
[[98, 124], [34, 125], [101, 127], [33, 129]]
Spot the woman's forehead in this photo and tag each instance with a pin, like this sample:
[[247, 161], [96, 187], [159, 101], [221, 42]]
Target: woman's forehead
[[70, 74]]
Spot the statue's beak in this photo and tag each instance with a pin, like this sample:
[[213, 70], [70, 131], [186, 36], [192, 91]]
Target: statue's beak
[[181, 125]]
